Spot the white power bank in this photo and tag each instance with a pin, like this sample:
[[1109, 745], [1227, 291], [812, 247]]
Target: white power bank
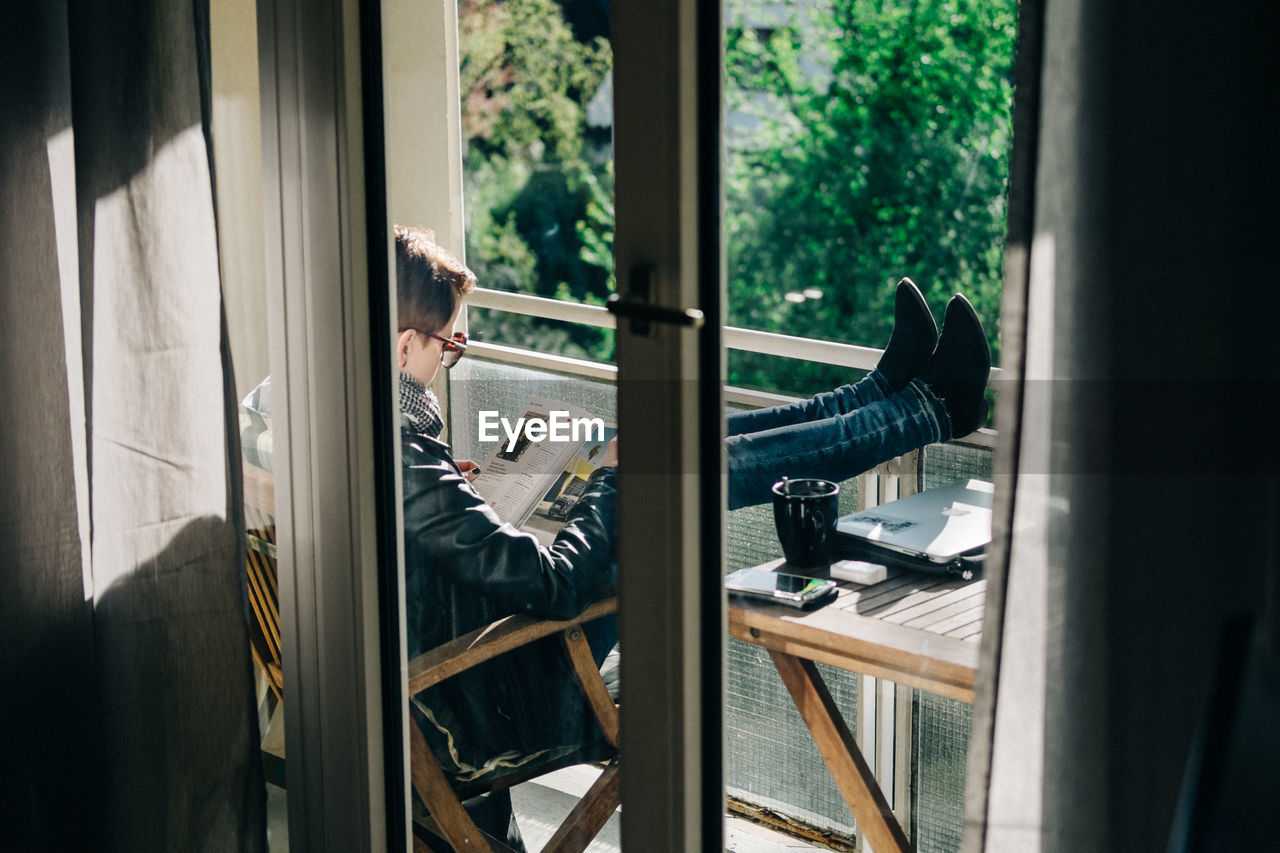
[[858, 571]]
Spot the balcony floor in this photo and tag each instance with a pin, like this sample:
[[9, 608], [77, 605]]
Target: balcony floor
[[542, 804]]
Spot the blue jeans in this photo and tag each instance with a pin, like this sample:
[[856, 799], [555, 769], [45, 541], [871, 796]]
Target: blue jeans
[[834, 436]]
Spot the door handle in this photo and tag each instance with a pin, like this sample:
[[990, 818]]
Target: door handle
[[642, 313]]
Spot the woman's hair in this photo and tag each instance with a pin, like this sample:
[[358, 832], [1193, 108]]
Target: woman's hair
[[429, 280]]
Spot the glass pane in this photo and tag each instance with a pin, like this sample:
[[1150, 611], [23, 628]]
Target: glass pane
[[865, 142], [237, 150], [528, 448]]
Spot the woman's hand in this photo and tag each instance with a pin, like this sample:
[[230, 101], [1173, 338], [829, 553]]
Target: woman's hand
[[469, 469], [610, 454]]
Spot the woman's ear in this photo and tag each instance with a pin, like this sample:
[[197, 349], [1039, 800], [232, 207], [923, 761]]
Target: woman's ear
[[402, 346]]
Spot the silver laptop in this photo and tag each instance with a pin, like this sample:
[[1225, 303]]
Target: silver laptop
[[936, 524]]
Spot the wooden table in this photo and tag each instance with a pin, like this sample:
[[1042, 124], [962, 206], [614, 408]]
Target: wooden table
[[914, 629]]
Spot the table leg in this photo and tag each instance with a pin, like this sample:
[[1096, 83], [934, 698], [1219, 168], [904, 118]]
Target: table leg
[[838, 749]]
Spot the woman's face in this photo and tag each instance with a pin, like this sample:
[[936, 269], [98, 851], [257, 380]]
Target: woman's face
[[419, 354]]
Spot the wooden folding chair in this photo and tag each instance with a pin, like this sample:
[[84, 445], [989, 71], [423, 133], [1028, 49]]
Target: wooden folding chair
[[264, 603], [443, 797], [260, 568]]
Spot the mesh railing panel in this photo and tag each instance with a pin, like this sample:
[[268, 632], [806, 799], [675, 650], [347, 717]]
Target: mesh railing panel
[[770, 758], [940, 726], [945, 463], [941, 737], [476, 384]]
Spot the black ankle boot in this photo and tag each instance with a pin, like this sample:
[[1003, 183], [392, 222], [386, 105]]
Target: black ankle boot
[[913, 338], [958, 370]]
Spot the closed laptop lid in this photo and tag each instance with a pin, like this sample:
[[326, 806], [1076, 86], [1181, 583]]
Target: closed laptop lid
[[937, 524]]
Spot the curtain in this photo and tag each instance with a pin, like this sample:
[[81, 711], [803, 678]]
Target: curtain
[[128, 691], [1137, 473]]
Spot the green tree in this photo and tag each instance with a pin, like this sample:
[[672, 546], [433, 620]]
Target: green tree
[[879, 149], [538, 180], [866, 141]]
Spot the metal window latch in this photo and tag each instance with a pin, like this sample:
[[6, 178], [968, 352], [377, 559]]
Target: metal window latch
[[642, 313]]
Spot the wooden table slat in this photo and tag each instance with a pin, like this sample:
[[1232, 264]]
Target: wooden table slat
[[890, 590], [961, 631], [918, 604], [909, 598], [927, 614], [970, 616]]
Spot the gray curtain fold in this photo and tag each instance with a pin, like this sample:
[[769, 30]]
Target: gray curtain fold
[[1138, 466], [48, 698], [129, 690], [1013, 417]]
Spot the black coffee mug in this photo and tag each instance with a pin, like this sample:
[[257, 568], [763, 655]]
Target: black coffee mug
[[805, 513]]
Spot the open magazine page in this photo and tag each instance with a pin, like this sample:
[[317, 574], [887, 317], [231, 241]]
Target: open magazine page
[[540, 463], [550, 513]]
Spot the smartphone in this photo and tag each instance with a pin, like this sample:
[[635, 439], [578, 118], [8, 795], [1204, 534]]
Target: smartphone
[[791, 590]]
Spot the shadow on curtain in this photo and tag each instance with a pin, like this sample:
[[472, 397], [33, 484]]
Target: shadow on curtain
[[128, 692]]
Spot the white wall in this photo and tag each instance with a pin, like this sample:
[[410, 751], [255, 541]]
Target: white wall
[[237, 158]]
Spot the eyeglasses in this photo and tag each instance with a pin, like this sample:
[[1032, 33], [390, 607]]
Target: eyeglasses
[[452, 348]]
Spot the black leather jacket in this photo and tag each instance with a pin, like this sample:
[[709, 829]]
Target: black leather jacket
[[463, 569]]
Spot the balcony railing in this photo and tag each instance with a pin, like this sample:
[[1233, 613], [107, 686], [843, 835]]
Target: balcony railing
[[745, 340]]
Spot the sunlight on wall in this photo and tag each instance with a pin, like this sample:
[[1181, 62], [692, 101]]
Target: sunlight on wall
[[236, 124]]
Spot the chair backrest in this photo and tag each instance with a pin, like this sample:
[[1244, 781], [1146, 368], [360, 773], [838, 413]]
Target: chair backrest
[[443, 796], [260, 568]]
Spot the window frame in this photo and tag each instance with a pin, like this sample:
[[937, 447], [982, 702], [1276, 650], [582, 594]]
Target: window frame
[[329, 462], [884, 719], [318, 267]]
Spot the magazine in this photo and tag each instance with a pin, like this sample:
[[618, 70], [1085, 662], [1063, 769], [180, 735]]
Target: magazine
[[539, 464]]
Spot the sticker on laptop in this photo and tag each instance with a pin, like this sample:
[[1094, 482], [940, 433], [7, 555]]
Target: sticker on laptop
[[887, 524]]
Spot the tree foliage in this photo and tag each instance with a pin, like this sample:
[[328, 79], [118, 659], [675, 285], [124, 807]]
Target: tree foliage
[[866, 140], [875, 146], [538, 179]]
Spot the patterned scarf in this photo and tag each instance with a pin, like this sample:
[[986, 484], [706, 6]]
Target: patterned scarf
[[419, 405]]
